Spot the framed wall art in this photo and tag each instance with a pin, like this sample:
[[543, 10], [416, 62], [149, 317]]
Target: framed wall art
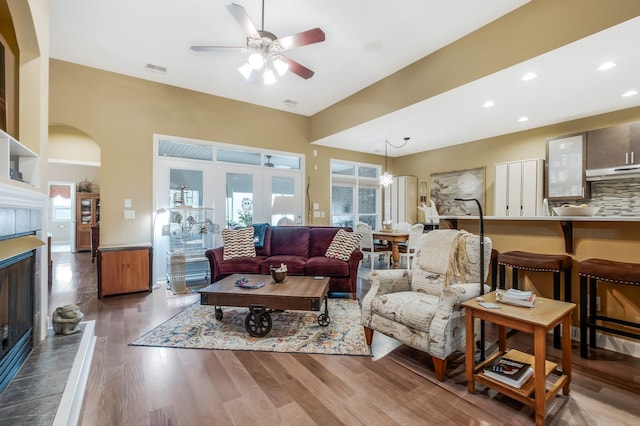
[[446, 187]]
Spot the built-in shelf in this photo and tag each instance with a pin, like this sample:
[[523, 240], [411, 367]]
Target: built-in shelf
[[17, 162]]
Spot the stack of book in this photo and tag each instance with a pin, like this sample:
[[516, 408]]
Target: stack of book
[[516, 297], [508, 371]]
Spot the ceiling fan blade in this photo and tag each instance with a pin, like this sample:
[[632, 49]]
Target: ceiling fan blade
[[315, 35], [242, 18], [216, 48], [297, 68]]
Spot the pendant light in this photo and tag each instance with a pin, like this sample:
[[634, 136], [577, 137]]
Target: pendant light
[[387, 178]]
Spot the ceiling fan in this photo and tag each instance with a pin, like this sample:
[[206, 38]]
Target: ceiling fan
[[266, 49], [269, 163]]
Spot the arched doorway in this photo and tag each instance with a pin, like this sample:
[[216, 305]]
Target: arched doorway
[[73, 168]]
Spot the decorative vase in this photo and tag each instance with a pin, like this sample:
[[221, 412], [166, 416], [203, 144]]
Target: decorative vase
[[278, 276]]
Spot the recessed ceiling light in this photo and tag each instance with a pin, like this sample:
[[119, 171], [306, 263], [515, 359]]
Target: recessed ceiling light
[[488, 104], [529, 76], [606, 66], [523, 119], [630, 93]]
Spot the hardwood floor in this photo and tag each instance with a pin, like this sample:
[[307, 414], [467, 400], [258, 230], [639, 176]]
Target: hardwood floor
[[131, 385]]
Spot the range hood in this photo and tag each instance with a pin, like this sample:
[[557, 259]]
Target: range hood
[[622, 172]]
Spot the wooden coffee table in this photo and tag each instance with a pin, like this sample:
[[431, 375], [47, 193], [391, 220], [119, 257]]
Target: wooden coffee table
[[295, 293]]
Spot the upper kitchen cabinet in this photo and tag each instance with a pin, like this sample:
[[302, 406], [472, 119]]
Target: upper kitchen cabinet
[[634, 142], [565, 168], [518, 188], [611, 147]]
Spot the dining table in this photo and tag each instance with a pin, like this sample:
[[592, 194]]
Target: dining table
[[393, 239]]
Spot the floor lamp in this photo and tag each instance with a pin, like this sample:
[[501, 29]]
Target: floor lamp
[[482, 337]]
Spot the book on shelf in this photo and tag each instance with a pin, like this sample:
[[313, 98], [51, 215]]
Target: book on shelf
[[508, 371], [516, 297]]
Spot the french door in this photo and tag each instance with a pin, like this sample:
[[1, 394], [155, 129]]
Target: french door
[[250, 196], [240, 185]]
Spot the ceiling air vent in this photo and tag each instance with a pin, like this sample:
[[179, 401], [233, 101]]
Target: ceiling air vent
[[290, 103], [156, 68]]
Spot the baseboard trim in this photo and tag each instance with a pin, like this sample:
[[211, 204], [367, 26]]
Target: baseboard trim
[[611, 342], [71, 402]]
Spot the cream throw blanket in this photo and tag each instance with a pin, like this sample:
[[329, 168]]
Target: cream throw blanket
[[445, 252]]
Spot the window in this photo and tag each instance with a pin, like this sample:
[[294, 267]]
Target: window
[[355, 194], [60, 198], [60, 208], [238, 156]]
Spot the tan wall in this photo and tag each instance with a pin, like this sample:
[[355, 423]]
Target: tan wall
[[121, 114], [72, 145], [75, 173]]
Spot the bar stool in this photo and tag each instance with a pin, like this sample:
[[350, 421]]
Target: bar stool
[[493, 262], [594, 270], [555, 263]]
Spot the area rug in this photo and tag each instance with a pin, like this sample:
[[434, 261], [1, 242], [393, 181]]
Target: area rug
[[292, 331]]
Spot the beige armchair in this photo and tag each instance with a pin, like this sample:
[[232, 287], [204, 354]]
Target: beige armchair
[[421, 306]]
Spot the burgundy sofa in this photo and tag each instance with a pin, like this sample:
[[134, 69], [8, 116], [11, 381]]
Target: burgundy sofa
[[301, 248]]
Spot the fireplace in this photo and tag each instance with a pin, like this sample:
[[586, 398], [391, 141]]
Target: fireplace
[[16, 313], [21, 215], [20, 288]]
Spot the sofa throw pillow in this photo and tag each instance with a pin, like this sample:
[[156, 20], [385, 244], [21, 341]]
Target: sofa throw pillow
[[238, 243], [343, 244], [259, 230]]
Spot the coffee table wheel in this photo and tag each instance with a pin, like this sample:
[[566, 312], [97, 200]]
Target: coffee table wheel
[[323, 319], [218, 313], [258, 324]]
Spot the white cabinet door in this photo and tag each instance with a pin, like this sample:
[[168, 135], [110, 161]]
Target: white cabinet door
[[514, 189], [518, 188], [531, 195], [500, 189]]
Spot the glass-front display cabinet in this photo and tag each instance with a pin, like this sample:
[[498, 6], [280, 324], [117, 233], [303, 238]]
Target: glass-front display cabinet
[[87, 215], [565, 169], [191, 233]]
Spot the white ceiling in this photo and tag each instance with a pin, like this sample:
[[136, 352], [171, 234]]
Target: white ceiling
[[365, 42]]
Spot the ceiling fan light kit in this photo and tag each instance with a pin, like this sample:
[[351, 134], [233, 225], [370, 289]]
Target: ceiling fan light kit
[[266, 58]]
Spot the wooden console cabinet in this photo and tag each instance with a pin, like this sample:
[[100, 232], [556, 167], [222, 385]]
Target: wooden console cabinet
[[124, 269]]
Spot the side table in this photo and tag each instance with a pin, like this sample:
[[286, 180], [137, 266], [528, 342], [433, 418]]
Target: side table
[[547, 314]]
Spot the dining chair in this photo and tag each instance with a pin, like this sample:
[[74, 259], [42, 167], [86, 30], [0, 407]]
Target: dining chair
[[402, 227], [407, 251], [369, 248]]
